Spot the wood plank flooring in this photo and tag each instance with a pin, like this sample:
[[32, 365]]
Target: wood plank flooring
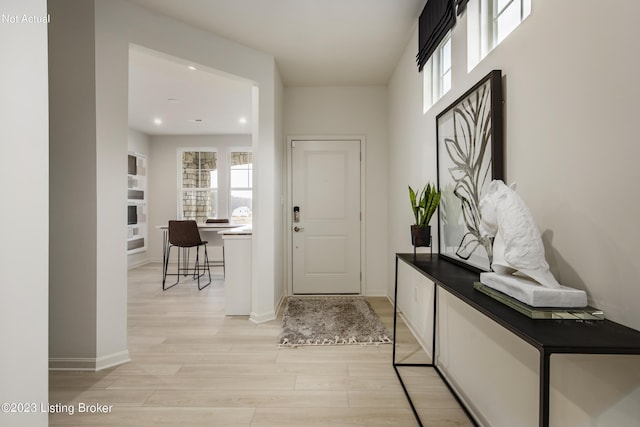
[[193, 366]]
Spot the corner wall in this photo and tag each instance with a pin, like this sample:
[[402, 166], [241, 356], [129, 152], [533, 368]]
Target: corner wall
[[571, 95], [73, 197], [24, 255]]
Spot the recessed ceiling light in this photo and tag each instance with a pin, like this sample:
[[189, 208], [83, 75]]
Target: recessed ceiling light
[[242, 120], [157, 121], [191, 67]]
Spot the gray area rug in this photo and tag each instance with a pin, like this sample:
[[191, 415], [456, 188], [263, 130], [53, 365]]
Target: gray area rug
[[330, 321]]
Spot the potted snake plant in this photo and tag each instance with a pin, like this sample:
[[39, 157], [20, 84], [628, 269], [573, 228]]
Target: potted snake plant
[[423, 205]]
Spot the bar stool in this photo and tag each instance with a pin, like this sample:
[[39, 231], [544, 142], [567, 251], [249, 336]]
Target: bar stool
[[184, 234], [218, 221]]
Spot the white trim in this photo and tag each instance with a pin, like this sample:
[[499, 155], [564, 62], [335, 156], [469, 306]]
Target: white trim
[[111, 360], [266, 317], [363, 204], [262, 318], [378, 293], [229, 188], [88, 363], [141, 263], [72, 364]]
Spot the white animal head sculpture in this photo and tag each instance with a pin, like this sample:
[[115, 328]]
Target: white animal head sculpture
[[517, 246]]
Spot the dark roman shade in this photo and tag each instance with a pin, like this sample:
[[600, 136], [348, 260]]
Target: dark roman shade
[[461, 5], [436, 19]]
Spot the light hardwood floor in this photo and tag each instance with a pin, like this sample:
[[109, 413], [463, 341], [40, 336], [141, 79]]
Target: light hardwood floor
[[193, 366]]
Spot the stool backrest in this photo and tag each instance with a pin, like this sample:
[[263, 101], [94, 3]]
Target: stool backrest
[[184, 233]]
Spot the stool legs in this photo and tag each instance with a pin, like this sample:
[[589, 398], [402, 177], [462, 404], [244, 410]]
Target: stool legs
[[199, 270]]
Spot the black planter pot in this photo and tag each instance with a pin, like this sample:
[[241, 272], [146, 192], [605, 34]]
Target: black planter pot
[[420, 236]]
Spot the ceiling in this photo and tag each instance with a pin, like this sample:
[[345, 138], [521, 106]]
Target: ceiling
[[187, 101], [314, 42]]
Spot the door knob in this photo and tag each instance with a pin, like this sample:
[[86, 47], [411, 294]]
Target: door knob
[[297, 229]]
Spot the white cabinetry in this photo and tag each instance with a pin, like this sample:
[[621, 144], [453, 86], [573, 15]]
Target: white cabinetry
[[415, 304], [237, 280]]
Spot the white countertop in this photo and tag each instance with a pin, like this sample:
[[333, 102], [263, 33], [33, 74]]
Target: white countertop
[[245, 230], [208, 227]]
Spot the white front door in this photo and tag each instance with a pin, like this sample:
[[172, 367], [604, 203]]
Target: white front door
[[326, 217]]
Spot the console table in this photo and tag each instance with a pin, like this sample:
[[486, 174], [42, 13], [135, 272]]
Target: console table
[[547, 336]]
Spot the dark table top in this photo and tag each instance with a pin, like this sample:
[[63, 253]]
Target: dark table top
[[548, 335]]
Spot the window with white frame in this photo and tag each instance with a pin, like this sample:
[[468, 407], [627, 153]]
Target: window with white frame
[[215, 183], [489, 23], [241, 187], [437, 74], [198, 185], [506, 15]]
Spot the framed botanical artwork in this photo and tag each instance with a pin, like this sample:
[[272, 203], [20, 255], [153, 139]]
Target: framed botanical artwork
[[469, 157]]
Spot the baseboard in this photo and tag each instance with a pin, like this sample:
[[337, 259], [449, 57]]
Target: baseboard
[[380, 293], [262, 318], [72, 364], [88, 363], [266, 317], [279, 305], [111, 360], [139, 264]]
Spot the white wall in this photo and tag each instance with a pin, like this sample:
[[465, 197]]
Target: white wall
[[411, 153], [138, 142], [570, 104], [163, 177], [25, 145], [73, 210], [352, 111]]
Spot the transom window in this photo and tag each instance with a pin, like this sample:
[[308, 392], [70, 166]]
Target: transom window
[[489, 22], [506, 16], [437, 74]]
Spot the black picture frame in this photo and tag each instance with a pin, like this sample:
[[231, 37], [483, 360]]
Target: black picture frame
[[469, 154]]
